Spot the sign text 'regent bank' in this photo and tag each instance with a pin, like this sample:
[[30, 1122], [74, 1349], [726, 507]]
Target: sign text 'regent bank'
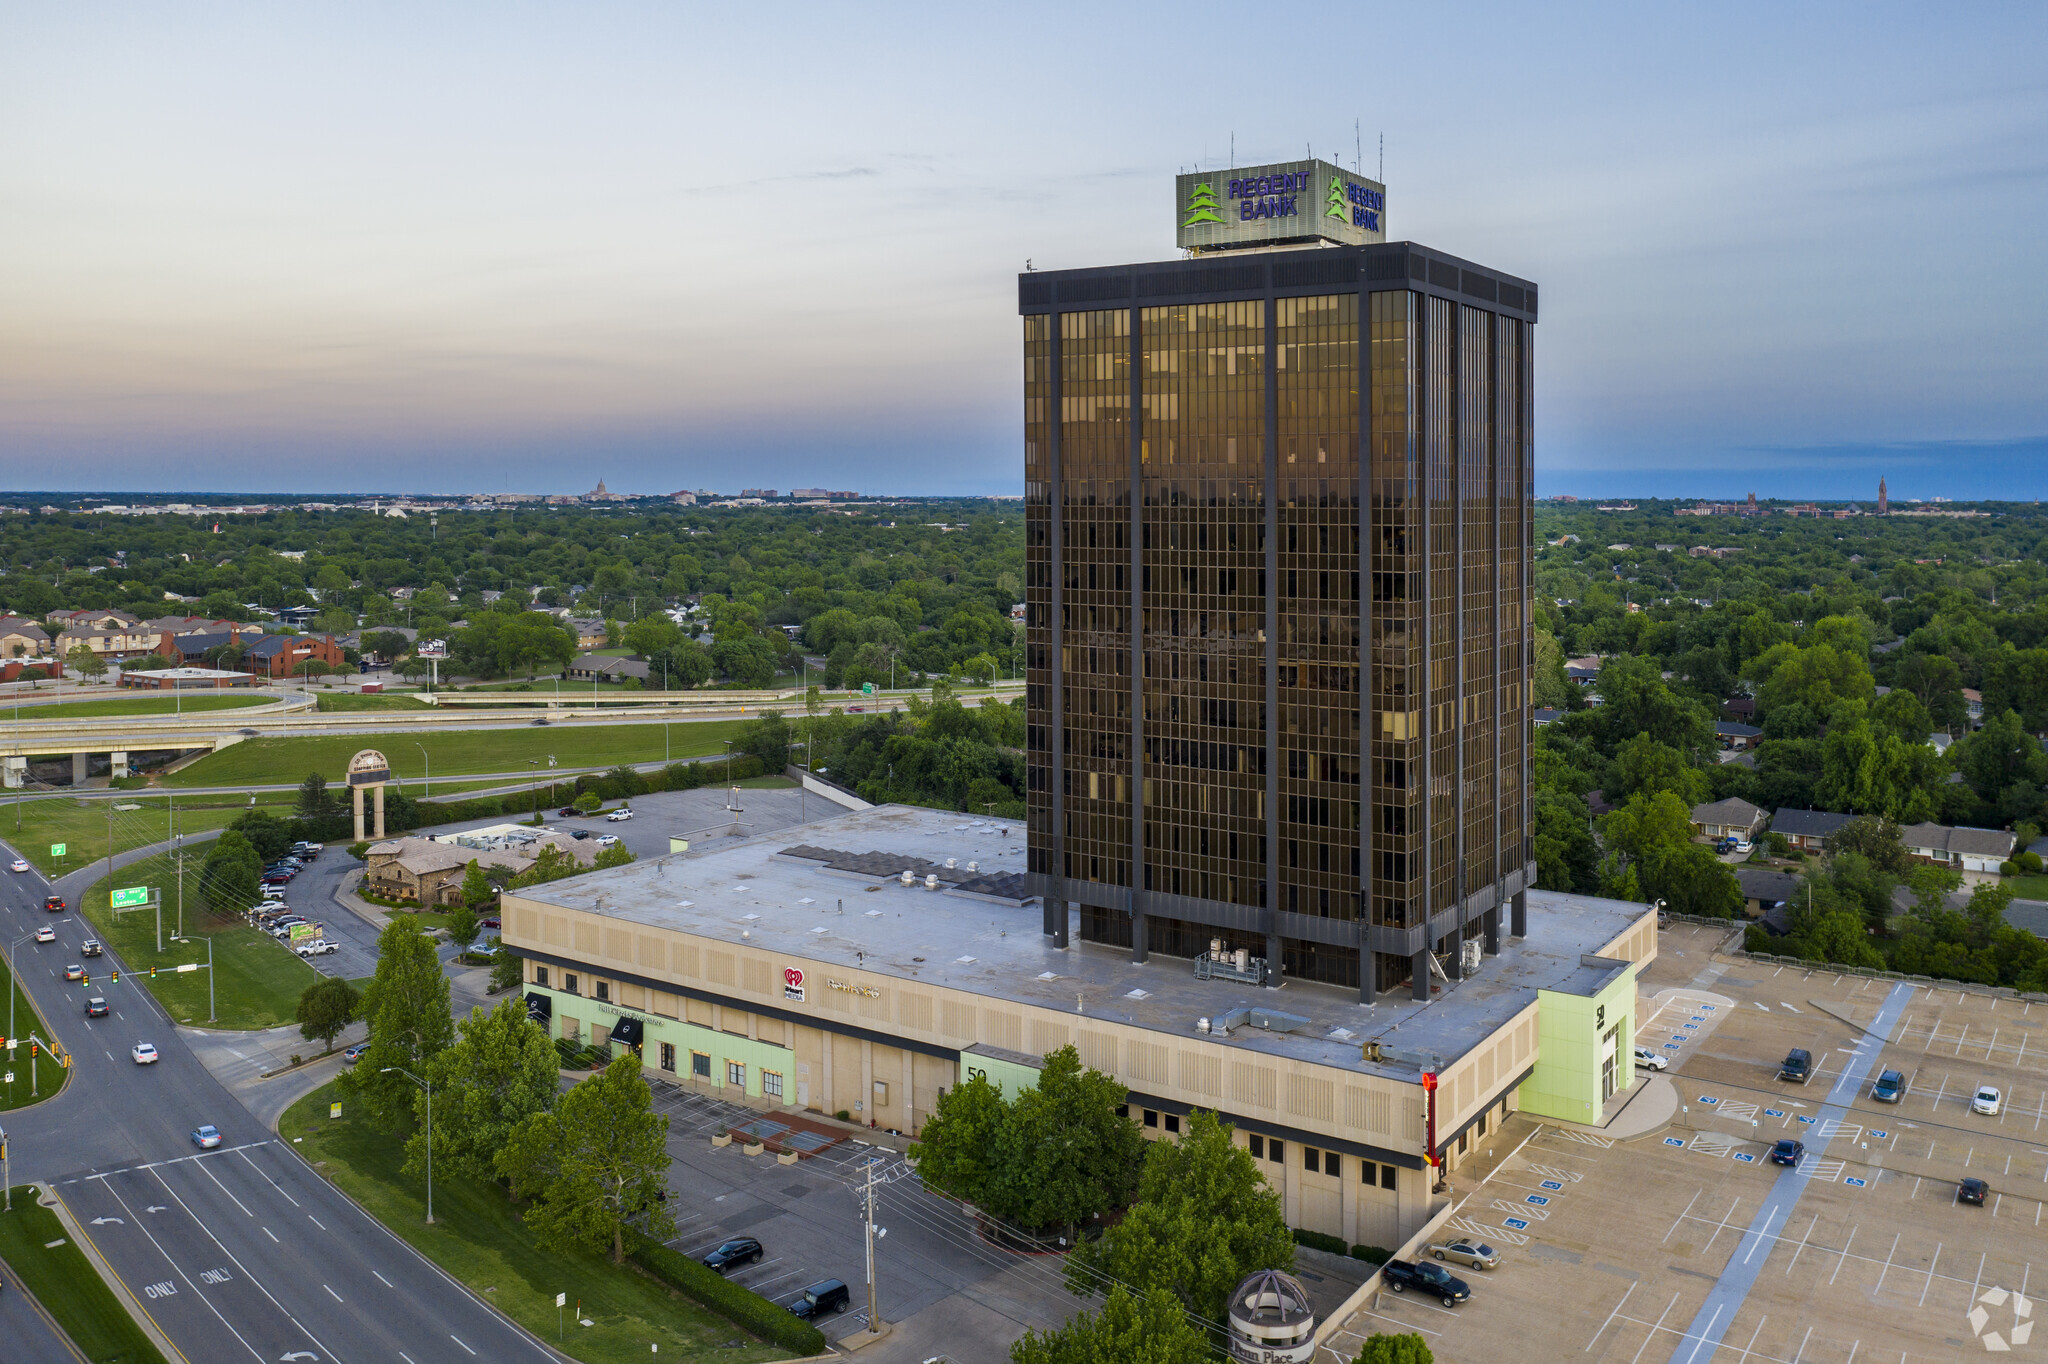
[[1293, 201]]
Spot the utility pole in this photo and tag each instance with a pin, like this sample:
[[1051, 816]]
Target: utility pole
[[874, 1322]]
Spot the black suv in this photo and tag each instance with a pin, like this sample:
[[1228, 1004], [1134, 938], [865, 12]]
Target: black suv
[[1798, 1067], [1786, 1151], [820, 1300], [1972, 1191], [740, 1250]]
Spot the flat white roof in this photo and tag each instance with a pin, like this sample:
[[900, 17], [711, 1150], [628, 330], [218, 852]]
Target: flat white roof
[[752, 892]]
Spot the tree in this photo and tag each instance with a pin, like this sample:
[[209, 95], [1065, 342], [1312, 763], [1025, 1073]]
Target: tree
[[388, 645], [651, 636], [748, 659], [462, 925], [1643, 764], [1129, 1330], [85, 662], [595, 1166], [587, 803], [1567, 858], [1204, 1218], [325, 1008], [407, 1007], [767, 739], [1937, 683], [500, 1071], [478, 894], [1877, 840], [617, 855], [312, 667], [688, 665], [315, 800], [1817, 678], [1067, 1152], [954, 1149], [1406, 1348]]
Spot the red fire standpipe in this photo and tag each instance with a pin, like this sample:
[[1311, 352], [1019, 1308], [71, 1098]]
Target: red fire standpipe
[[1429, 1139]]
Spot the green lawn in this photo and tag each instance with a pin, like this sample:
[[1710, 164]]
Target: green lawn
[[81, 825], [333, 701], [767, 784], [23, 1089], [455, 752], [2029, 887], [140, 704], [260, 980], [39, 1251], [479, 1238]]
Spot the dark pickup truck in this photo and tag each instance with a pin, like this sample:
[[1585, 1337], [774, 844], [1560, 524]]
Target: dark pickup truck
[[1434, 1280]]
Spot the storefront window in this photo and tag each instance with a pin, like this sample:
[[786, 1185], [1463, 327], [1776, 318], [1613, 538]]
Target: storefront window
[[771, 1084], [668, 1057], [700, 1065], [736, 1074]]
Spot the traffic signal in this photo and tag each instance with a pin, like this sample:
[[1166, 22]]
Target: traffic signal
[[152, 973], [117, 977], [34, 1050]]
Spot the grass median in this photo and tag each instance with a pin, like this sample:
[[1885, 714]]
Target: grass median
[[479, 1238], [457, 752], [257, 979], [82, 826], [332, 702], [24, 1079], [36, 1247], [144, 704]]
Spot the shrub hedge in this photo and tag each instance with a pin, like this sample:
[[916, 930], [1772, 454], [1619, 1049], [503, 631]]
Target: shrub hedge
[[1316, 1240], [744, 1307], [1372, 1255]]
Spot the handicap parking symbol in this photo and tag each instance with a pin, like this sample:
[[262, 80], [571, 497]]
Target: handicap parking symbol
[[1551, 1184], [1517, 1223], [1745, 1157], [1708, 1099], [1876, 1135], [1707, 1008], [1774, 1112], [1804, 1118], [1538, 1199], [1674, 1141], [1859, 1183], [1671, 1046], [1692, 1027], [1698, 1019]]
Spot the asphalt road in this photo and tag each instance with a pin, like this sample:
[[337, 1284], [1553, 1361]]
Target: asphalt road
[[30, 1339], [262, 1257]]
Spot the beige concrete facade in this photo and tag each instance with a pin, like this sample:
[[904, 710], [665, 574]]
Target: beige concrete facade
[[881, 1047]]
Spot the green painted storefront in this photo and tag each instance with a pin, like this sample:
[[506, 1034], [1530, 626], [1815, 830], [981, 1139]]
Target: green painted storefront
[[1585, 1043], [693, 1051]]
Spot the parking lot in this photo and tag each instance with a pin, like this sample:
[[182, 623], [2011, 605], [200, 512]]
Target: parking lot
[[1689, 1245], [807, 1217]]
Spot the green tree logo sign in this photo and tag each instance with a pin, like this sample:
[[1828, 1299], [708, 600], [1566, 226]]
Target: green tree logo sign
[[1202, 206], [1336, 207]]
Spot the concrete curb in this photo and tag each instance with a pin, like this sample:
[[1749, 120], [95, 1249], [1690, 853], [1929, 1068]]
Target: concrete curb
[[50, 1199]]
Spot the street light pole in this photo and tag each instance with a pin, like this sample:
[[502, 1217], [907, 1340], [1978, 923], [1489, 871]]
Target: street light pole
[[426, 782], [430, 1132]]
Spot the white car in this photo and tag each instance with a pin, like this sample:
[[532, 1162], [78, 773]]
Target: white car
[[21, 864], [318, 947], [619, 816], [1651, 1060], [1986, 1102], [607, 840], [46, 934], [144, 1054]]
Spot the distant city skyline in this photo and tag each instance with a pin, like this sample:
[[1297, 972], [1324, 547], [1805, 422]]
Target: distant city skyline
[[470, 248]]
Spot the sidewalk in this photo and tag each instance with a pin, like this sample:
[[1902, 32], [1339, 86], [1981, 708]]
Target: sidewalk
[[1651, 1104]]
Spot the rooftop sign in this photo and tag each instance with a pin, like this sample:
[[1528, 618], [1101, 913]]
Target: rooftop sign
[[1290, 201]]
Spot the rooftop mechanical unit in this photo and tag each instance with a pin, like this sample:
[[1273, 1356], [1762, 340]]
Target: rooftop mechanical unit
[[1219, 964]]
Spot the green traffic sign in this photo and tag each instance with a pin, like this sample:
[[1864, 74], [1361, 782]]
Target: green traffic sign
[[133, 897], [57, 849], [867, 689]]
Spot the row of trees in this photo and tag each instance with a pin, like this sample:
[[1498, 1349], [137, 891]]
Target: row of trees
[[591, 1164]]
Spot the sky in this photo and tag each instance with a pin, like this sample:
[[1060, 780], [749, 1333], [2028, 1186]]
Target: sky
[[454, 247]]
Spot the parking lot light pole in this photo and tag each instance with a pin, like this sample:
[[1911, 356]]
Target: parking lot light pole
[[430, 1132], [427, 781]]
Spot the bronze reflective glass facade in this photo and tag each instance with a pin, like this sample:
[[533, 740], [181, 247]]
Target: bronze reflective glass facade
[[1278, 516]]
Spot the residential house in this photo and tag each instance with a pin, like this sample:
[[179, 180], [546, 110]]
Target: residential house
[[1741, 708], [1737, 736], [1973, 702], [1584, 671], [282, 655], [1964, 849], [108, 621], [1730, 818], [1807, 830], [1547, 715], [23, 638], [1763, 890], [605, 667], [590, 634], [429, 871], [200, 625], [119, 641]]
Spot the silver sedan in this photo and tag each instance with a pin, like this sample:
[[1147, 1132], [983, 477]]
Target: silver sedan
[[1476, 1254]]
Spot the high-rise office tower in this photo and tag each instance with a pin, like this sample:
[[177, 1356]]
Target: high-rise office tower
[[1278, 502], [1884, 500]]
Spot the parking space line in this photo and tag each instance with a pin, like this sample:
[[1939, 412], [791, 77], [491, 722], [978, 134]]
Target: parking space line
[[1930, 1273], [1658, 1327], [1610, 1318], [1887, 1265], [1844, 1256], [1802, 1245], [1753, 1335], [1802, 1345]]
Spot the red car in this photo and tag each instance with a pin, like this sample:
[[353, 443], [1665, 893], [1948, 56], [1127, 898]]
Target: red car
[[55, 904]]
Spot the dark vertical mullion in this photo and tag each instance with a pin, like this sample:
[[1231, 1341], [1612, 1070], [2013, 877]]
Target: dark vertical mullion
[[1056, 873], [1458, 629], [1140, 945], [1368, 960], [1423, 426], [1493, 426], [1269, 918]]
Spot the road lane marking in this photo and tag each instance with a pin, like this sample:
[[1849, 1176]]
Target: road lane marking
[[272, 1235], [226, 1190], [179, 1269], [458, 1340], [315, 1221], [382, 1280], [239, 1265], [331, 1293], [267, 1179]]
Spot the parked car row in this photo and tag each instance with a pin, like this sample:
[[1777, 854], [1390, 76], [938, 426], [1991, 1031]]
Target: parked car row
[[823, 1299]]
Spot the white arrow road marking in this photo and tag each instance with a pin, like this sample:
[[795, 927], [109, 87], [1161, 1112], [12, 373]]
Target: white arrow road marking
[[297, 1354], [103, 1221], [156, 1207]]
